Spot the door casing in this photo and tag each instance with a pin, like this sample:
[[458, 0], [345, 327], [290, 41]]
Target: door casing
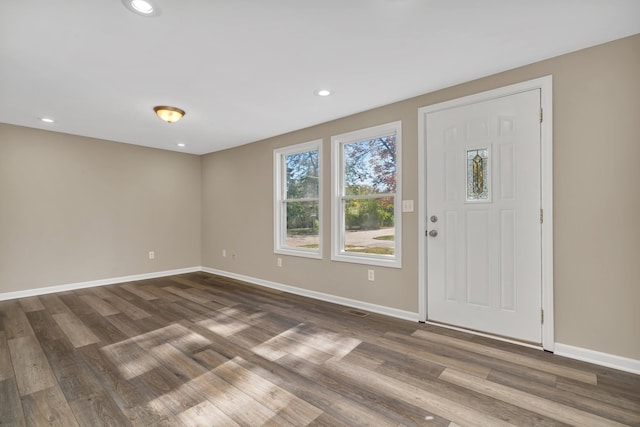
[[545, 84]]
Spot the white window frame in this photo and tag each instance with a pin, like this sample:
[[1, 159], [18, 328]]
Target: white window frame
[[338, 197], [280, 200]]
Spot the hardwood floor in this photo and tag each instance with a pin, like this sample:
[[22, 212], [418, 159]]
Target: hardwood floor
[[202, 350]]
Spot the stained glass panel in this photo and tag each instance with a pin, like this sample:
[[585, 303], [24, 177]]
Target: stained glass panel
[[477, 174]]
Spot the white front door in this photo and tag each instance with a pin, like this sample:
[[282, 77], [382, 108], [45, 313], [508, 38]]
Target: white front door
[[483, 216]]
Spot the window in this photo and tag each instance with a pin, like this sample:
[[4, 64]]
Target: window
[[366, 222], [297, 186]]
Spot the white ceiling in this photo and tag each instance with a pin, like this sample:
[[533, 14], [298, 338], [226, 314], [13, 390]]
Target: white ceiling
[[245, 70]]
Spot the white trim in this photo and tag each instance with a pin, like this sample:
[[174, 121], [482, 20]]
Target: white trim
[[603, 359], [583, 354], [337, 213], [546, 157], [380, 309], [545, 84], [422, 216], [94, 283], [279, 182]]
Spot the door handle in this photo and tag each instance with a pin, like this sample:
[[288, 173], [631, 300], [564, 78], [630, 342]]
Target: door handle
[[433, 233]]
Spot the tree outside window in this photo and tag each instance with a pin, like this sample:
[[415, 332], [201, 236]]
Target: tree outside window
[[366, 213], [298, 199]]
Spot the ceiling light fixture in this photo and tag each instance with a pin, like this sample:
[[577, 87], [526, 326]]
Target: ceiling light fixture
[[169, 114], [142, 7], [323, 92], [47, 120], [181, 144]]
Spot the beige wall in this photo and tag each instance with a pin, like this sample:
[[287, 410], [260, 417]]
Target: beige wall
[[596, 197], [76, 209]]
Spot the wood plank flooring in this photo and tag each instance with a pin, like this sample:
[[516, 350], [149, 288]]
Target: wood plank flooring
[[203, 350]]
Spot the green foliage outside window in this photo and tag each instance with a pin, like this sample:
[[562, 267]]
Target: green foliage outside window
[[369, 214], [370, 169], [302, 183]]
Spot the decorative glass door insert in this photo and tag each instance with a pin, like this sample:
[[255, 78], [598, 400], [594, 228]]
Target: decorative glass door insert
[[478, 175]]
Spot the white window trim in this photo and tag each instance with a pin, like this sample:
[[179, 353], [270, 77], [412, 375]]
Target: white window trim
[[337, 213], [279, 183]]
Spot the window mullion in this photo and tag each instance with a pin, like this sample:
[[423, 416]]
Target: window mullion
[[368, 196], [306, 199]]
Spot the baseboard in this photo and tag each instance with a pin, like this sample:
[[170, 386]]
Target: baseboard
[[603, 359], [380, 309], [585, 355], [591, 356], [388, 311], [93, 283]]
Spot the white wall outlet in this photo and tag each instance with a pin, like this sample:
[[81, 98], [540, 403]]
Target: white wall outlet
[[407, 206], [279, 262], [371, 275], [224, 253], [152, 255]]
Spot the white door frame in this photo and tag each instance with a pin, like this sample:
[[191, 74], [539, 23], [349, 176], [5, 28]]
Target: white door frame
[[546, 134]]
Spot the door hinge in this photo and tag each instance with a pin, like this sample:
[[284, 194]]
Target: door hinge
[[541, 216], [541, 316], [541, 115]]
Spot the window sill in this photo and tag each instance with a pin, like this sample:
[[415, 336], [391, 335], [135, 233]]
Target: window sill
[[298, 253], [368, 260]]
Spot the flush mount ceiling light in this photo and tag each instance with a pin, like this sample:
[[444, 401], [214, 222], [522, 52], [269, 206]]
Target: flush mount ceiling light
[[323, 92], [47, 120], [142, 7], [181, 144], [169, 114]]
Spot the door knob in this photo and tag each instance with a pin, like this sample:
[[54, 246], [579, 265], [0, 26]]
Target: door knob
[[434, 218], [433, 233]]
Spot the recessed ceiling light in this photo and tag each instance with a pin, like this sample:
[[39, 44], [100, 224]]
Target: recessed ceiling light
[[181, 144], [323, 92], [142, 7], [47, 119]]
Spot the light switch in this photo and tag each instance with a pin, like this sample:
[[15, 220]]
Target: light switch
[[407, 206]]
